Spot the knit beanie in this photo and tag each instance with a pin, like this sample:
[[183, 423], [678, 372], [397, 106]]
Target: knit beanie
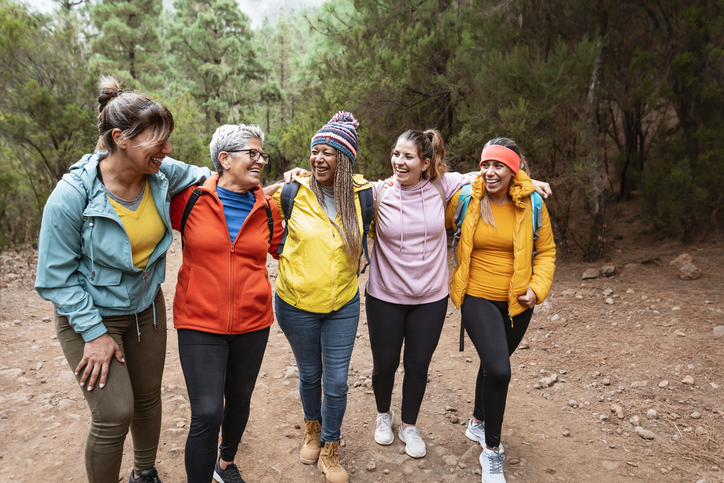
[[340, 133]]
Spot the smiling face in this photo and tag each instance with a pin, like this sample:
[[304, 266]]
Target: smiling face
[[497, 177], [144, 158], [324, 163], [240, 171], [406, 163]]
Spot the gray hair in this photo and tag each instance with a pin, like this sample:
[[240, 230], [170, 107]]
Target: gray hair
[[232, 137]]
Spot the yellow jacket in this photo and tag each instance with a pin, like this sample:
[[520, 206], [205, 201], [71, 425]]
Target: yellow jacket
[[316, 274], [539, 276]]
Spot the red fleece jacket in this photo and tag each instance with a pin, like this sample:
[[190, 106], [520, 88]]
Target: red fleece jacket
[[223, 287]]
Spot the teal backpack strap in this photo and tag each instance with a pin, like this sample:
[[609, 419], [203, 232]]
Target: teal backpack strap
[[289, 192], [463, 201], [536, 203], [367, 206]]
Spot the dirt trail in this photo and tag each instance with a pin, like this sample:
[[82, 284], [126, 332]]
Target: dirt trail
[[658, 328]]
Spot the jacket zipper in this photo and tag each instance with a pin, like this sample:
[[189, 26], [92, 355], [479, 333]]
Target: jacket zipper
[[516, 233], [332, 267]]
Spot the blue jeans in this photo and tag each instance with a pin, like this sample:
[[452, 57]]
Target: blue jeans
[[322, 346]]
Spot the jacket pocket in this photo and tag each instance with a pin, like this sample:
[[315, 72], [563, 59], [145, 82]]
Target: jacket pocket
[[203, 300], [106, 289]]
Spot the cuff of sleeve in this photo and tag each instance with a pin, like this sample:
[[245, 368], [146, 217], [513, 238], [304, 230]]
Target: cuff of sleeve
[[94, 332]]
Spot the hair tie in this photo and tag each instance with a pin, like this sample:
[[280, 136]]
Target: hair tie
[[116, 93], [428, 136]]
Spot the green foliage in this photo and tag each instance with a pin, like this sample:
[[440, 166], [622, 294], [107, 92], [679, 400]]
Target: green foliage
[[211, 47], [126, 37], [473, 70]]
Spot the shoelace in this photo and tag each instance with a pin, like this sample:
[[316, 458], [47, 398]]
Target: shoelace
[[496, 462], [148, 476], [309, 433], [413, 433], [332, 455], [383, 420], [233, 476]]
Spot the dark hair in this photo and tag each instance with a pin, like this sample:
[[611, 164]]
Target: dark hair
[[131, 113], [510, 144], [430, 145]]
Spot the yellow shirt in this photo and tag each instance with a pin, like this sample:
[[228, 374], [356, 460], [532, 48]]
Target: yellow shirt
[[492, 257], [144, 227]]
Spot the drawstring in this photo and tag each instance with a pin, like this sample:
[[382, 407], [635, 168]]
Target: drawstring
[[424, 222], [90, 241], [138, 329], [155, 327], [402, 225]]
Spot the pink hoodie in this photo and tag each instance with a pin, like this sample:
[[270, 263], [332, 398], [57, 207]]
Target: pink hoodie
[[408, 261]]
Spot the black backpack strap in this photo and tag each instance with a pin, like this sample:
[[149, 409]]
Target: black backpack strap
[[289, 193], [269, 219], [366, 203], [189, 206]]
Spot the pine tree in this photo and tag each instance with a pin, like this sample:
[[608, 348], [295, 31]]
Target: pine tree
[[127, 33], [210, 42]]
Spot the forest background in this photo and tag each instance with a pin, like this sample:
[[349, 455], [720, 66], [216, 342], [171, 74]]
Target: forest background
[[611, 101]]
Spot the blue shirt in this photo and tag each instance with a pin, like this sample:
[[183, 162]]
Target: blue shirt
[[237, 207]]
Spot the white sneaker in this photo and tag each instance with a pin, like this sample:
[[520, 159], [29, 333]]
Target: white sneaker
[[383, 433], [476, 432], [492, 463], [414, 445]]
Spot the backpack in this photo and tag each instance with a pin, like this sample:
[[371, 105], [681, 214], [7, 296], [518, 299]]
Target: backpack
[[289, 194], [196, 193]]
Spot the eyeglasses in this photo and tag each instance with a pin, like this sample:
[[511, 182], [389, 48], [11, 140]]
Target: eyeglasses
[[253, 154]]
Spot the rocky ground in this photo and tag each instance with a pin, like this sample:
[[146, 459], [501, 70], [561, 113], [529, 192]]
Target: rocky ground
[[618, 380]]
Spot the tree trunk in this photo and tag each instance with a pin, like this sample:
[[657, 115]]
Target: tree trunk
[[594, 248]]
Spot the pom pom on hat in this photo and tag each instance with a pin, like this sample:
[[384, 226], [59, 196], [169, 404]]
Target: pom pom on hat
[[340, 133]]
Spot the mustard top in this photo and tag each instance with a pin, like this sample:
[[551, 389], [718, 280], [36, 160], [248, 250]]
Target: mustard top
[[492, 257], [144, 227]]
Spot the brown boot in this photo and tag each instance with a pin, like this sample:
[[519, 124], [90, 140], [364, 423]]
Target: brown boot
[[329, 463], [312, 446]]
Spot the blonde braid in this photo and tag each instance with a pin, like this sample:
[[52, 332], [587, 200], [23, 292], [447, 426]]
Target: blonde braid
[[345, 204]]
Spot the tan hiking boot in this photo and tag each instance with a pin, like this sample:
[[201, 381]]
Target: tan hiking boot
[[329, 463], [312, 446]]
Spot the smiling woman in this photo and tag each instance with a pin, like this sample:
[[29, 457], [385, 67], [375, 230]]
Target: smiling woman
[[101, 261], [223, 303]]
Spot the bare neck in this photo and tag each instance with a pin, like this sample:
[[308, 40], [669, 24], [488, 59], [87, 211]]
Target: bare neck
[[120, 178]]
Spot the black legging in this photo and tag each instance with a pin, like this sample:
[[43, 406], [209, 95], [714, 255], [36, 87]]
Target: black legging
[[218, 367], [419, 326], [489, 328]]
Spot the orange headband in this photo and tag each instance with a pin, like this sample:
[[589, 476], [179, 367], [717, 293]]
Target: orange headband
[[496, 152]]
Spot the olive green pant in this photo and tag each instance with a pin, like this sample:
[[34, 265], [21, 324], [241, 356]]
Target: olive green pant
[[131, 396]]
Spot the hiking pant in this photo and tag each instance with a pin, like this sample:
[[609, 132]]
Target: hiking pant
[[131, 396], [419, 326], [322, 344], [220, 372], [489, 328]]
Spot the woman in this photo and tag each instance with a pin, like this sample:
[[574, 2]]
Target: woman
[[407, 289], [317, 296], [101, 260], [223, 305], [497, 285]]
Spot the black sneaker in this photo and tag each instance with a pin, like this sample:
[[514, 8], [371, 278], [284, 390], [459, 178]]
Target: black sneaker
[[147, 476], [229, 475]]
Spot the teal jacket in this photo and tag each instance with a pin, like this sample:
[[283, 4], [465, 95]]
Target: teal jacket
[[85, 265]]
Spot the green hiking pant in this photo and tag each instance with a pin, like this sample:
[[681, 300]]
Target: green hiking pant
[[131, 396]]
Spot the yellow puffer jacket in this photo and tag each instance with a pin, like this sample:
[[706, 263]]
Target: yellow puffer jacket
[[539, 276], [315, 272]]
